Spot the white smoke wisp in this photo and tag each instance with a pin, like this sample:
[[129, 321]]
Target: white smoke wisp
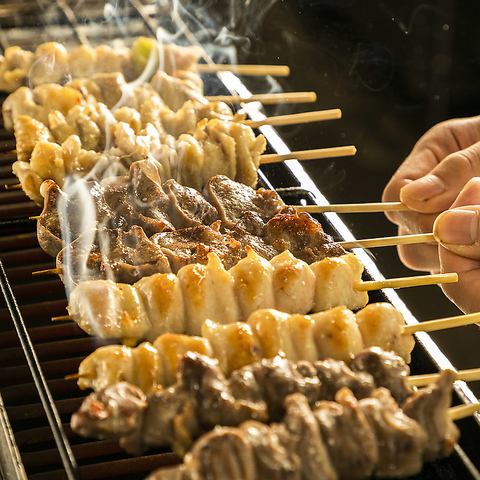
[[221, 33]]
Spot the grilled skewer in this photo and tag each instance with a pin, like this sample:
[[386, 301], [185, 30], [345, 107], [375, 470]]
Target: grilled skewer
[[202, 398], [342, 440], [18, 65], [337, 333]]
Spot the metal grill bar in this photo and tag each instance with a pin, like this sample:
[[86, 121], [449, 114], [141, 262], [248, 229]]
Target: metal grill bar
[[66, 454], [72, 20]]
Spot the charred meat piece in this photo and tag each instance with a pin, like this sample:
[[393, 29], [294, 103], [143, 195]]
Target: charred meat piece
[[221, 454], [277, 378], [125, 256], [304, 436], [387, 369], [401, 440], [204, 380], [241, 206], [257, 243], [302, 235], [187, 207], [351, 444], [114, 412], [334, 375], [274, 457], [429, 407], [192, 245]]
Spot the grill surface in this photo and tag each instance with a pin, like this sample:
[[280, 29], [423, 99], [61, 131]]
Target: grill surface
[[59, 348]]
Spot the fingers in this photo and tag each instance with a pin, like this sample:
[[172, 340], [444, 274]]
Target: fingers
[[437, 190], [464, 293], [432, 148], [422, 258], [458, 229], [458, 233]]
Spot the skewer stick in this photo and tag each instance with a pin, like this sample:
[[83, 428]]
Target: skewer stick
[[443, 323], [389, 241], [14, 186], [254, 70], [354, 207], [405, 282], [62, 318], [470, 375], [463, 411], [48, 271], [296, 118], [314, 154], [267, 98], [73, 376], [35, 217]]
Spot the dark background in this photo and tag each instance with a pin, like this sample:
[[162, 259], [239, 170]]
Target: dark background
[[395, 68]]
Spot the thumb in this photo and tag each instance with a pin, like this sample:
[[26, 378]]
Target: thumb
[[437, 191], [458, 229]]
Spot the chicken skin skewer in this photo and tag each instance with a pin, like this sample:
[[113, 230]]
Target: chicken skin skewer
[[180, 303]]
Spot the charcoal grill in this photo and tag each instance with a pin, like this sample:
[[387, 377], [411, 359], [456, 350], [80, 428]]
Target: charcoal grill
[[35, 400]]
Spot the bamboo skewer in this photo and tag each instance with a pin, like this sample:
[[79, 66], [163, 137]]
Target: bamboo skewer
[[48, 271], [405, 282], [253, 70], [62, 318], [354, 207], [267, 98], [380, 284], [315, 154], [35, 217], [14, 186], [296, 118], [469, 375], [443, 323], [389, 241], [463, 411]]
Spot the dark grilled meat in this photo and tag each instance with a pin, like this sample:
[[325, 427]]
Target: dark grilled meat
[[203, 398], [401, 440], [192, 245], [351, 444], [387, 369], [187, 207], [303, 432], [241, 206], [301, 235], [429, 407], [341, 440], [125, 256]]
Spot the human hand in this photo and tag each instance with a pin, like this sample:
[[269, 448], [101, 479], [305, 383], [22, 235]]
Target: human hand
[[428, 182], [458, 232]]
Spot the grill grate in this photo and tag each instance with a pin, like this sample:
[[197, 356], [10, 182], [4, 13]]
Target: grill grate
[[36, 355]]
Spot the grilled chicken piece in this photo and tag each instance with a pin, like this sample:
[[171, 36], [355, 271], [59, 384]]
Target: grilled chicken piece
[[336, 440], [375, 331], [301, 235], [429, 407], [232, 199], [39, 102], [28, 132], [239, 344], [401, 440], [208, 294], [13, 67], [388, 369], [52, 63]]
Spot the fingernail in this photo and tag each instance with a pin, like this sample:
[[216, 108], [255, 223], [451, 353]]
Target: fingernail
[[424, 188], [458, 227]]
